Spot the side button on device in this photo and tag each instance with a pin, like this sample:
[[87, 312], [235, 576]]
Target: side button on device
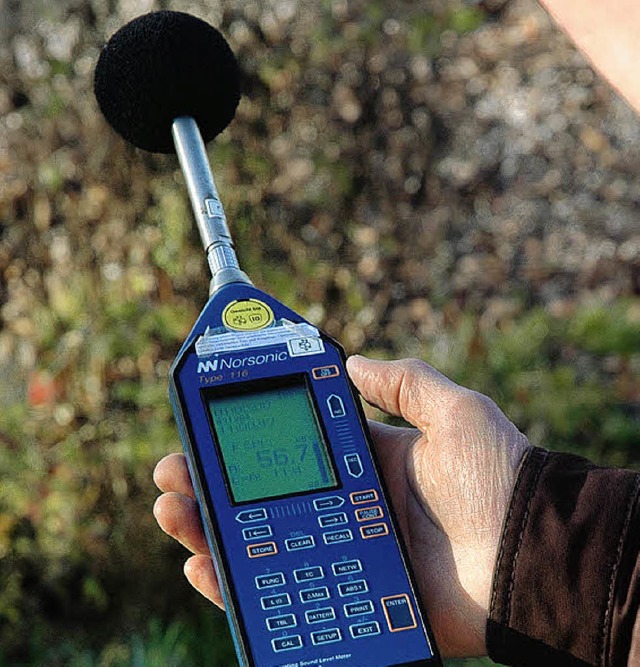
[[336, 406], [286, 643], [354, 465], [399, 613]]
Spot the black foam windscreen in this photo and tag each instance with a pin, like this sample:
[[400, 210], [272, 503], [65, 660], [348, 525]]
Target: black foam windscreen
[[163, 65]]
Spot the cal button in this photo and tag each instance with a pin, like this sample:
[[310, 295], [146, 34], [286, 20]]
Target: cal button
[[286, 643]]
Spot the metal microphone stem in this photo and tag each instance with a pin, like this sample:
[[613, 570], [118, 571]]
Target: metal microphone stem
[[207, 208]]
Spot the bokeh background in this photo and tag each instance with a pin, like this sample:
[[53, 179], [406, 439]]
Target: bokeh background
[[445, 180]]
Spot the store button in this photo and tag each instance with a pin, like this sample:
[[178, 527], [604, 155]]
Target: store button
[[262, 549]]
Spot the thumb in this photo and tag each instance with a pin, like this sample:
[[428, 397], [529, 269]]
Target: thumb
[[408, 388]]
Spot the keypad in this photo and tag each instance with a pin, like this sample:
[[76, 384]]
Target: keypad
[[295, 600]]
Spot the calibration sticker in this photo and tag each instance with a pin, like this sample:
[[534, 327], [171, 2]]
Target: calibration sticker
[[247, 315]]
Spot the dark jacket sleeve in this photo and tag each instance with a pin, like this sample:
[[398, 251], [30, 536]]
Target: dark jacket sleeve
[[566, 587]]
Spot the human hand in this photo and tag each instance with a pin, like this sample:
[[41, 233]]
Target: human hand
[[450, 480]]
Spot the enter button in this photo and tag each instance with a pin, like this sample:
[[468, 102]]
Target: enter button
[[399, 613]]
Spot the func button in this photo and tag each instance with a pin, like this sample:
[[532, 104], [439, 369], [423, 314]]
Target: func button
[[270, 580]]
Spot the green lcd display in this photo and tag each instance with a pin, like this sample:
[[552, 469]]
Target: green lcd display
[[270, 440]]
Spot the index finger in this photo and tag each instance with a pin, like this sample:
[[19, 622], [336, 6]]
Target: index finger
[[172, 474]]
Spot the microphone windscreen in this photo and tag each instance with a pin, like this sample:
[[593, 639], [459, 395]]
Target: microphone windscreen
[[163, 65]]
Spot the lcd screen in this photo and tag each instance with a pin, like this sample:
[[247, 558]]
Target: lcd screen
[[270, 441]]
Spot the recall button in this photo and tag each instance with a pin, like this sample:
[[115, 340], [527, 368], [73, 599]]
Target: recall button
[[262, 549], [399, 613]]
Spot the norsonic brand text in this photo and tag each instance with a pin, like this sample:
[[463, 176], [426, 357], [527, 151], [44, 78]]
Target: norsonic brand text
[[231, 363]]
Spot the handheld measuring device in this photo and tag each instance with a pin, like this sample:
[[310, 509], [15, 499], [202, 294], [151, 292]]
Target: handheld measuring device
[[306, 548]]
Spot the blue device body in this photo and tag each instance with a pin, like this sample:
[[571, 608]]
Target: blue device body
[[312, 572]]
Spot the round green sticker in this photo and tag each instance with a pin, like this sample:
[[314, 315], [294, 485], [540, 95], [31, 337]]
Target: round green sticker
[[247, 315]]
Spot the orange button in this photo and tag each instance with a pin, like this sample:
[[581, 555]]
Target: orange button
[[324, 372], [374, 530], [399, 613], [263, 549], [369, 513], [361, 497]]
